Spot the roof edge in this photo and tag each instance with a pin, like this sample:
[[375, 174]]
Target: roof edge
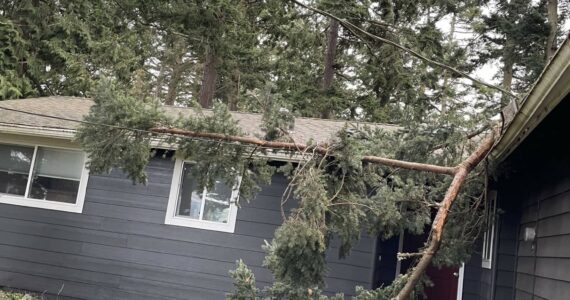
[[49, 132], [545, 95]]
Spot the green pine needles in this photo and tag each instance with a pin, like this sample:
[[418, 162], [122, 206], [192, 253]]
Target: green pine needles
[[338, 197]]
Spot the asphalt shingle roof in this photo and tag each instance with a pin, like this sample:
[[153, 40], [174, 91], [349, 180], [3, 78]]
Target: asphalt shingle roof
[[319, 130]]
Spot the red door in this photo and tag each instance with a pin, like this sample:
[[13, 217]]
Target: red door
[[444, 283], [444, 280]]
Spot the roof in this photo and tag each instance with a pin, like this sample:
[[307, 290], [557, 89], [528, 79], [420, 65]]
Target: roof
[[550, 89], [75, 108]]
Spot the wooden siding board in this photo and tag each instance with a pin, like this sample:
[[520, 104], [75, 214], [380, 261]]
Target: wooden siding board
[[553, 268], [472, 279], [525, 282], [555, 246], [555, 225], [53, 286], [62, 232], [505, 279], [111, 267], [555, 205], [127, 199], [525, 265], [119, 248], [551, 289], [503, 293], [49, 217], [522, 295]]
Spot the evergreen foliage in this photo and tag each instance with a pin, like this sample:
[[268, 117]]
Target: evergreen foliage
[[267, 56], [244, 283]]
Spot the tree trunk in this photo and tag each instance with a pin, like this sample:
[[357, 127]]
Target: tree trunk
[[552, 8], [177, 70], [437, 226], [233, 93], [330, 54], [445, 72], [508, 63], [209, 79]]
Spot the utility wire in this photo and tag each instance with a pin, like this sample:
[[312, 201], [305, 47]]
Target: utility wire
[[353, 28], [165, 135]]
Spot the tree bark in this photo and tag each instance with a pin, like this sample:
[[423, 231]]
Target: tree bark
[[209, 79], [177, 70], [449, 48], [552, 9], [330, 55], [233, 93], [508, 63], [292, 146], [436, 233]]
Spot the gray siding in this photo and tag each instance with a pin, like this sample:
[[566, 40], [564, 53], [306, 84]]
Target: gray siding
[[505, 255], [543, 267], [119, 247], [472, 277]]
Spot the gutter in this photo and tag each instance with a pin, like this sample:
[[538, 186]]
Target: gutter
[[69, 134], [51, 132], [549, 90]]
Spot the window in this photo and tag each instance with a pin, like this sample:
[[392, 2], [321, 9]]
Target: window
[[489, 235], [190, 206], [43, 177]]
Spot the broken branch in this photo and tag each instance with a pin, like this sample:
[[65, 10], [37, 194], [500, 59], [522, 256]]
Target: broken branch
[[436, 233], [320, 149]]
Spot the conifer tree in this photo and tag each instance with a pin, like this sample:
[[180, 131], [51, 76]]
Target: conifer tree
[[286, 59]]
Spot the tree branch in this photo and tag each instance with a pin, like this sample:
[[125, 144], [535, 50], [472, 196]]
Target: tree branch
[[437, 226], [320, 149], [351, 27]]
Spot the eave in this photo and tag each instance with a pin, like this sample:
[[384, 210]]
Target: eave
[[550, 89]]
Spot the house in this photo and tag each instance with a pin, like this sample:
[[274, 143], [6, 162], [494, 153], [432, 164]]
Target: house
[[66, 232], [526, 253]]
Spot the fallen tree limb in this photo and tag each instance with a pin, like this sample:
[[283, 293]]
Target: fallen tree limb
[[320, 149], [436, 233]]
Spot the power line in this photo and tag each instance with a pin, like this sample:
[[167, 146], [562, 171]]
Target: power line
[[242, 141], [164, 135]]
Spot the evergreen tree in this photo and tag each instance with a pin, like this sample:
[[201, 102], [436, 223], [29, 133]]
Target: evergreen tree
[[516, 33], [61, 47], [283, 59]]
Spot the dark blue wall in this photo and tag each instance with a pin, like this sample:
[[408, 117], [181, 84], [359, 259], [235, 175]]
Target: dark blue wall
[[119, 247], [534, 192]]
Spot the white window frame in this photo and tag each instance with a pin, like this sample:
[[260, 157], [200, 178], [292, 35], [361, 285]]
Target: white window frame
[[171, 209], [76, 207], [489, 235]]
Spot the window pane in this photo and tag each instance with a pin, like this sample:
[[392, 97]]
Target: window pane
[[59, 163], [189, 200], [217, 206], [56, 175], [15, 164]]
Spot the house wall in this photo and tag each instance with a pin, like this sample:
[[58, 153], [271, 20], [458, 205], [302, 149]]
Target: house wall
[[120, 248], [533, 192], [543, 266]]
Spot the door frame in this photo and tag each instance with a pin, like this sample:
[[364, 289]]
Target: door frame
[[460, 279]]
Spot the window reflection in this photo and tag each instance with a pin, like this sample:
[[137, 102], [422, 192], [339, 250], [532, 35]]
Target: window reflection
[[15, 162], [208, 205]]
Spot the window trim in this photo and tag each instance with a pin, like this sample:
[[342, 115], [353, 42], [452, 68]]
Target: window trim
[[76, 207], [172, 219], [489, 234]]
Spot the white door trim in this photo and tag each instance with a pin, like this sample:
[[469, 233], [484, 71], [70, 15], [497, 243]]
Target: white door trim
[[460, 282]]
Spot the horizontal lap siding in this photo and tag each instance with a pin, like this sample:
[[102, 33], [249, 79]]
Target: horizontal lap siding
[[119, 247], [543, 269]]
